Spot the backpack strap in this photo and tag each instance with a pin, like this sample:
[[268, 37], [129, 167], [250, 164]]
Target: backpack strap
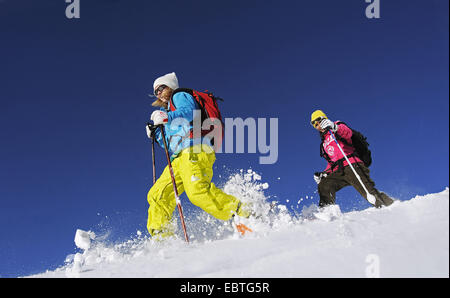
[[197, 97], [187, 90], [201, 102], [323, 153]]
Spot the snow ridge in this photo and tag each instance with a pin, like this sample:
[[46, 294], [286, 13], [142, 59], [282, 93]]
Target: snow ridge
[[407, 239]]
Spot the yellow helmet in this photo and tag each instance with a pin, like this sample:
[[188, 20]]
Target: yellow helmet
[[317, 114]]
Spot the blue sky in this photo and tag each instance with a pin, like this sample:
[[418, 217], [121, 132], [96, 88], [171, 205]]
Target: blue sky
[[73, 103]]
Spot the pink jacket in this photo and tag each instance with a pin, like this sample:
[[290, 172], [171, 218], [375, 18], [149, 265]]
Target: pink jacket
[[330, 147]]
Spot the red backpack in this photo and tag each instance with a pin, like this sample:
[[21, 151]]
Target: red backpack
[[209, 110]]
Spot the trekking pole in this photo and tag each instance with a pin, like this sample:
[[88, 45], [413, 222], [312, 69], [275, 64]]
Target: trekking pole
[[177, 198], [371, 198], [151, 127]]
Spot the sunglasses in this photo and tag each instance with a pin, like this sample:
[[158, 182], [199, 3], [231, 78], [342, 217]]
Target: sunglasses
[[315, 123], [160, 89]]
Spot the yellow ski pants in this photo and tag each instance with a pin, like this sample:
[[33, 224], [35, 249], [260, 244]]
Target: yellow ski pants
[[193, 173]]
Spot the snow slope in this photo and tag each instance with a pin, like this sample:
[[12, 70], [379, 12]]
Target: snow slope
[[407, 239]]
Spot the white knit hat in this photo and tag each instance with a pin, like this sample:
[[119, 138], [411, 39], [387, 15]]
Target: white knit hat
[[170, 80]]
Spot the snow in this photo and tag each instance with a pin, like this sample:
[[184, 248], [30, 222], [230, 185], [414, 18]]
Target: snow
[[407, 239], [83, 239]]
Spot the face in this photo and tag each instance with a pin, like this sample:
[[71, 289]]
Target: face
[[316, 124], [163, 93]]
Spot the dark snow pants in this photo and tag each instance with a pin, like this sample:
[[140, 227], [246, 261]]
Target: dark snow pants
[[329, 185]]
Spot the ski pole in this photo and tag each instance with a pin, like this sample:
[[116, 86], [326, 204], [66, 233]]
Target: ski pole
[[177, 198], [151, 127], [371, 198]]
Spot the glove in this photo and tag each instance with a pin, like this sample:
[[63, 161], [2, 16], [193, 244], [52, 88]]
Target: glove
[[159, 117], [151, 129], [326, 124], [319, 175]]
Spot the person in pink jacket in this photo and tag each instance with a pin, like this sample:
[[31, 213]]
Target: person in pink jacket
[[338, 173]]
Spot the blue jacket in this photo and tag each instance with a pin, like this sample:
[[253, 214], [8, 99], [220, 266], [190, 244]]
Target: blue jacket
[[179, 124]]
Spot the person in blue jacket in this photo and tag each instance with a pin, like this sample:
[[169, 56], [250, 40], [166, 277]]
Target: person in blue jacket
[[192, 162]]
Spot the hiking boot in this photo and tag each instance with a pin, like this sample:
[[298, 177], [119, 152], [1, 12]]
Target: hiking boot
[[237, 221], [385, 199], [242, 229]]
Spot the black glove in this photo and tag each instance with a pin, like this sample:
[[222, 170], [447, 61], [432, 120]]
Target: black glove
[[151, 130]]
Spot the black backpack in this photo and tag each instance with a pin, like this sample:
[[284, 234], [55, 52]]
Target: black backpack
[[359, 142]]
